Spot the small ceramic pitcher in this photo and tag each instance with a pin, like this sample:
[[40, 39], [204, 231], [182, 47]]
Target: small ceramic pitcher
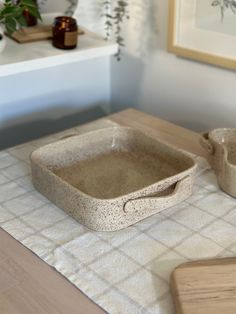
[[221, 147]]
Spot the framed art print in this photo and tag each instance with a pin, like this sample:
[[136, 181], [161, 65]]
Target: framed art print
[[204, 30]]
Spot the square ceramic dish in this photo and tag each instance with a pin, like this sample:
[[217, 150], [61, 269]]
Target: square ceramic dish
[[112, 178]]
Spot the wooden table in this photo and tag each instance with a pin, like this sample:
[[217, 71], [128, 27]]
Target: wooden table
[[27, 284]]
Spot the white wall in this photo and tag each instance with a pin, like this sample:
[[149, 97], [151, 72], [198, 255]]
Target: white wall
[[192, 94], [46, 101], [54, 92]]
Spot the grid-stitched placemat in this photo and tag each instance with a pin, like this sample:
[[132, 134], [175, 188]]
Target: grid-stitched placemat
[[126, 271]]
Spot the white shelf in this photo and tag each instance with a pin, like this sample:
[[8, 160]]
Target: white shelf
[[20, 58]]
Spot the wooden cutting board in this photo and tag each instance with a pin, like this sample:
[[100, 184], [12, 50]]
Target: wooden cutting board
[[35, 33], [205, 287]]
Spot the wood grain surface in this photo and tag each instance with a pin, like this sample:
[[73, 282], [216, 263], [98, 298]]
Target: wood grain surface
[[161, 129], [34, 33], [205, 287], [30, 286]]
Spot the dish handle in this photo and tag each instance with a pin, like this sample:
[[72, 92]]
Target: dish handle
[[155, 204], [205, 143]]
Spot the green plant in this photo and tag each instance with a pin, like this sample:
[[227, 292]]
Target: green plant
[[11, 13], [115, 14]]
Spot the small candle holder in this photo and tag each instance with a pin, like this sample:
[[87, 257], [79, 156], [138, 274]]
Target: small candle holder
[[65, 32]]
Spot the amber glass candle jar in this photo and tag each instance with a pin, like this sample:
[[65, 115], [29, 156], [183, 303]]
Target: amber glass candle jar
[[65, 32]]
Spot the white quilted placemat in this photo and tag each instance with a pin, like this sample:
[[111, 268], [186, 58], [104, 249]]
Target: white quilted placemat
[[126, 271]]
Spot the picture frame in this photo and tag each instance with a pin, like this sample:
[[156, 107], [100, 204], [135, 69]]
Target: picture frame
[[203, 30]]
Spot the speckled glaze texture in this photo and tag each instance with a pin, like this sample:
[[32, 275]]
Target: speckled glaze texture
[[112, 178], [221, 147]]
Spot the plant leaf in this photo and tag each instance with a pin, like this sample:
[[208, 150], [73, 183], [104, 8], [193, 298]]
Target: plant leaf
[[10, 24]]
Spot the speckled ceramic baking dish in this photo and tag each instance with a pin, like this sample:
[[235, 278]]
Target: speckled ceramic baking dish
[[112, 178]]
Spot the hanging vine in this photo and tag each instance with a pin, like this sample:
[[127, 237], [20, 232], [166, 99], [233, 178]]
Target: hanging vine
[[71, 7], [115, 15]]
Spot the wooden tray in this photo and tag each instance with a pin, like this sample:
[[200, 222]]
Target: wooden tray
[[205, 287], [35, 33]]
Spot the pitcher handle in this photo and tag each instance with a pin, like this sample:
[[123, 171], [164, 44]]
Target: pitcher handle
[[205, 143]]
